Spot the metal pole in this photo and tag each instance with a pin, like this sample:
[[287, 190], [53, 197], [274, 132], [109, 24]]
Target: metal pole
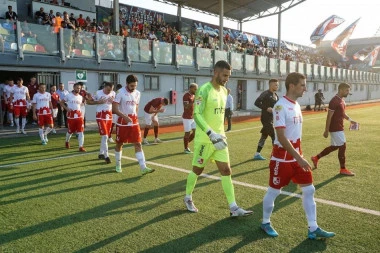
[[179, 18], [116, 25], [221, 14], [279, 32]]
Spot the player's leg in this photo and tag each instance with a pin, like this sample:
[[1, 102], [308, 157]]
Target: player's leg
[[193, 127], [17, 118], [260, 146], [79, 129], [186, 137], [103, 138], [23, 114], [118, 153], [148, 123], [49, 123], [155, 128], [222, 160], [70, 130], [342, 161]]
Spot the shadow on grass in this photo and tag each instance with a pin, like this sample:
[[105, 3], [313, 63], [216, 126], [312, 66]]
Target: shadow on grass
[[310, 246]]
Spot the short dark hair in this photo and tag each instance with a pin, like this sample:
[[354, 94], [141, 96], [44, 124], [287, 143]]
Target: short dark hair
[[9, 6], [166, 101], [108, 84], [78, 83], [293, 78], [19, 79], [343, 86], [273, 80], [222, 65], [132, 79], [119, 86], [41, 84]]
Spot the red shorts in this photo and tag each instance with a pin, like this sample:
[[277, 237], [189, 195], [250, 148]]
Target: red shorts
[[104, 126], [20, 111], [281, 173], [128, 134], [44, 119], [75, 125]]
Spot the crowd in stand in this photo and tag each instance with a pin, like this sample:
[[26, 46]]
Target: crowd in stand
[[80, 43]]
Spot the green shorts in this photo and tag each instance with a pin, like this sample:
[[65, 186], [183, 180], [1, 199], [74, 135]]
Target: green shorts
[[203, 152]]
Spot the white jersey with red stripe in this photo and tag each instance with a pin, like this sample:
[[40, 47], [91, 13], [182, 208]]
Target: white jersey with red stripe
[[107, 106], [128, 102], [19, 95], [42, 101], [287, 114], [8, 90], [74, 102]]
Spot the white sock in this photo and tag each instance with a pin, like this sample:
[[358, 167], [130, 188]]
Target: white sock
[[233, 206], [23, 122], [118, 157], [189, 196], [47, 131], [10, 116], [41, 133], [309, 206], [257, 153], [81, 139], [104, 145], [68, 136], [17, 121], [268, 203], [141, 158]]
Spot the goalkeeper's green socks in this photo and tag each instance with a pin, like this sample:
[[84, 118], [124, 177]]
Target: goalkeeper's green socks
[[190, 184], [228, 189]]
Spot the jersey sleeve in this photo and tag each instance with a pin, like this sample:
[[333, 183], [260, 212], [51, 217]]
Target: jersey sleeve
[[117, 99], [34, 100], [199, 107], [333, 105], [279, 116]]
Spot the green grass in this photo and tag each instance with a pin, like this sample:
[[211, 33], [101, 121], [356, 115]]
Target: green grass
[[76, 203]]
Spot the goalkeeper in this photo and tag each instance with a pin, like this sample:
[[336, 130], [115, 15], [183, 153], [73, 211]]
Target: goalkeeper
[[210, 141]]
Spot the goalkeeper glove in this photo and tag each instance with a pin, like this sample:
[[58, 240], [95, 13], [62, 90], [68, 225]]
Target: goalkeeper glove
[[217, 140]]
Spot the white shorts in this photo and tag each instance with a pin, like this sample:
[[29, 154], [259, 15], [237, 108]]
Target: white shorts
[[149, 118], [337, 138], [188, 124], [83, 110], [114, 118], [55, 112]]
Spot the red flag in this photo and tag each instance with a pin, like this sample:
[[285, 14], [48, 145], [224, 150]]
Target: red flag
[[364, 53], [325, 27], [340, 43]]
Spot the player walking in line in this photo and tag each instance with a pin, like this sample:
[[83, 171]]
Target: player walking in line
[[103, 99], [21, 104], [55, 103], [125, 106], [42, 108], [151, 109], [8, 100], [265, 102], [74, 115], [210, 141], [187, 116], [334, 125], [229, 110], [114, 116], [287, 162]]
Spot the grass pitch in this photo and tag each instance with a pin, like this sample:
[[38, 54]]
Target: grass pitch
[[58, 200]]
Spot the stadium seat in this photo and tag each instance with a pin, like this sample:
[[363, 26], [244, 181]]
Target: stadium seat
[[87, 47], [86, 53], [7, 45], [23, 40], [3, 31], [8, 26], [14, 46], [28, 48], [39, 48], [32, 41], [77, 52], [10, 38]]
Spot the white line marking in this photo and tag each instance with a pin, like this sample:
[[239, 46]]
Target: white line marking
[[291, 194]]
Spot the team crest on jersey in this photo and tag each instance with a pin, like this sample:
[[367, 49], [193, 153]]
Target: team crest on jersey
[[200, 161], [278, 108], [276, 180], [198, 100]]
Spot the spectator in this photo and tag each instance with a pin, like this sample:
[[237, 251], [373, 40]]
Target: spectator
[[57, 22], [51, 16], [229, 109], [80, 21], [10, 14], [73, 20], [39, 15], [46, 20], [66, 22], [318, 100], [54, 2]]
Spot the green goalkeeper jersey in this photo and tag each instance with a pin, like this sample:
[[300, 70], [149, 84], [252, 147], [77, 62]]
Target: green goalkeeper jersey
[[209, 109]]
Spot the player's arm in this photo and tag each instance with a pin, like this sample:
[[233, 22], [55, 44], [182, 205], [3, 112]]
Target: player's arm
[[115, 110], [63, 105], [330, 113], [34, 104], [259, 101], [349, 119], [155, 110], [285, 143]]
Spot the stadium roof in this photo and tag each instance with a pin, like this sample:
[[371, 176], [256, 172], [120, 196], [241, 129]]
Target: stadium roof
[[237, 10]]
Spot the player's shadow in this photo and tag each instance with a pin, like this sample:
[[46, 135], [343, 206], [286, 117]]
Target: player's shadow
[[310, 246], [320, 185]]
